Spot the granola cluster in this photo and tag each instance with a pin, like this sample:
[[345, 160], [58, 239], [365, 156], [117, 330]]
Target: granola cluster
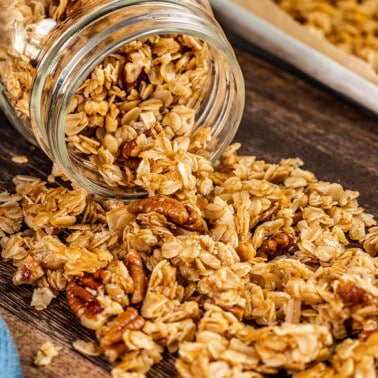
[[268, 270], [348, 24], [146, 92]]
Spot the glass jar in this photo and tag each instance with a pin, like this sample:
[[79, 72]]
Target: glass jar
[[90, 81]]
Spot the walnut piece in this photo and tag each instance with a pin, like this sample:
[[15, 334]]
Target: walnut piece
[[352, 294], [134, 264], [110, 337], [278, 245], [181, 215], [28, 272], [81, 296]]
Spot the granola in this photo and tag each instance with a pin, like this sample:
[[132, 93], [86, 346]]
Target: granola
[[46, 353], [241, 267], [142, 96], [348, 24], [146, 92], [281, 276]]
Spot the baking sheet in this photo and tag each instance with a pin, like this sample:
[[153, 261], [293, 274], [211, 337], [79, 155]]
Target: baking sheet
[[263, 24]]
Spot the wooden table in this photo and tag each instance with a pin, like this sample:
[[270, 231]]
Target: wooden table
[[285, 116]]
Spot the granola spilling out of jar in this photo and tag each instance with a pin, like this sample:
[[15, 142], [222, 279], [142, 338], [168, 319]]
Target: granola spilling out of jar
[[143, 96], [254, 270], [240, 267], [348, 24]]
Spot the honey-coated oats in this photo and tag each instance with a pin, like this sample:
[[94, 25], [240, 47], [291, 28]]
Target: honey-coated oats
[[244, 268], [281, 275], [136, 100]]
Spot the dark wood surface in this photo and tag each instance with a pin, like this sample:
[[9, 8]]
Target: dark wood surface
[[286, 115]]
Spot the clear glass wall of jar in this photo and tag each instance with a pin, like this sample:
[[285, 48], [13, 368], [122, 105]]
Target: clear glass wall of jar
[[84, 79]]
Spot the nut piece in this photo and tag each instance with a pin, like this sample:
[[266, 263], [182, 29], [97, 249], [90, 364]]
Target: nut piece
[[130, 161], [110, 337], [195, 222], [81, 296], [134, 264], [128, 149], [28, 272], [177, 213], [245, 251], [133, 73], [20, 159], [278, 245], [352, 294]]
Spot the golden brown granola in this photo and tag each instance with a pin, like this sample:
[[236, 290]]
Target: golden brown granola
[[281, 277], [142, 97], [244, 268], [348, 24]]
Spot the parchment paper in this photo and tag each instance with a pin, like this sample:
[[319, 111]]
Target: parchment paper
[[265, 25]]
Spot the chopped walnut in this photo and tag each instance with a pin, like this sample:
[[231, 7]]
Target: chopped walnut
[[352, 294], [278, 245], [134, 264], [111, 335], [28, 272], [182, 215], [81, 296]]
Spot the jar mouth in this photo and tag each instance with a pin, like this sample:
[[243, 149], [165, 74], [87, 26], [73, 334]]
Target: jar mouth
[[85, 45]]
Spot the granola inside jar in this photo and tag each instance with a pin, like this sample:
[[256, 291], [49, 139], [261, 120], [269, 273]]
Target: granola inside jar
[[118, 93]]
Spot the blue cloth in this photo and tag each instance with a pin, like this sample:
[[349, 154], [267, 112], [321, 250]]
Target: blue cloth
[[9, 361]]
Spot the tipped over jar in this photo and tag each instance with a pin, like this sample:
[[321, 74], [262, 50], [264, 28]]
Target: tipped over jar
[[114, 91]]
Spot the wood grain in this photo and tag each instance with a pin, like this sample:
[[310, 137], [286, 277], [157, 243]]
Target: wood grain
[[286, 115]]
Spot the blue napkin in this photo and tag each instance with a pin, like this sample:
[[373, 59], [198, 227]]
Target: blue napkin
[[9, 361]]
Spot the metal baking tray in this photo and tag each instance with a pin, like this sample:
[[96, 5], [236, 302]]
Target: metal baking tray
[[266, 36]]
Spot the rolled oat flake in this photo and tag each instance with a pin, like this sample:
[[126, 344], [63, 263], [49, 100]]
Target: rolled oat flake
[[106, 88]]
